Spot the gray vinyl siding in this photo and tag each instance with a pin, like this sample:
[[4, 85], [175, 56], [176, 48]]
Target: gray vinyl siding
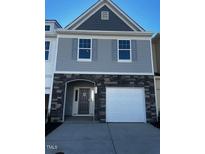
[[113, 24], [104, 57]]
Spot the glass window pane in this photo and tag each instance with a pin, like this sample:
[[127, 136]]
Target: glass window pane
[[124, 54], [124, 44], [47, 27], [81, 43], [85, 43], [76, 95], [84, 53], [47, 45], [46, 55]]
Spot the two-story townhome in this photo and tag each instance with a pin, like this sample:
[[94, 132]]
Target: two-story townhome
[[50, 54], [103, 68]]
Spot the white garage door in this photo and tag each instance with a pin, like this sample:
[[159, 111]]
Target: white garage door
[[125, 105]]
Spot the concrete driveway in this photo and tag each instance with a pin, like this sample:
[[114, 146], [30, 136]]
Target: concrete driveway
[[103, 138]]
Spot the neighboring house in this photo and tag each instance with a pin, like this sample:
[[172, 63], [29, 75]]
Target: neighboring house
[[50, 55], [104, 68], [156, 61]]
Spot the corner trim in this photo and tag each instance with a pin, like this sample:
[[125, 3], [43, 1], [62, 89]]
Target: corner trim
[[51, 90]]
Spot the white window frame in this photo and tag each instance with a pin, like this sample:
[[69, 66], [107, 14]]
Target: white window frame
[[105, 15], [84, 59], [118, 53], [48, 49]]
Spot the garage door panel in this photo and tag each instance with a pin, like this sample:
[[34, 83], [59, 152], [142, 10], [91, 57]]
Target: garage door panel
[[125, 105]]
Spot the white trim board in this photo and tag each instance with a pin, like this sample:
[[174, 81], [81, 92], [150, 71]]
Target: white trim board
[[106, 73], [86, 18], [103, 37], [82, 15], [156, 100], [104, 33], [52, 78], [152, 61]]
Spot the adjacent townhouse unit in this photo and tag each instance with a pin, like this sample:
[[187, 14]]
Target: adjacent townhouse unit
[[103, 68], [50, 55], [156, 61]]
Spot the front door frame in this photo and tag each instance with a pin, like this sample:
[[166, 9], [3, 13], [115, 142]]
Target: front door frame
[[91, 102], [65, 94]]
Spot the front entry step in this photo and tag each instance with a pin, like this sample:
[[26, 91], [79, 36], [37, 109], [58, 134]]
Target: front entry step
[[80, 119]]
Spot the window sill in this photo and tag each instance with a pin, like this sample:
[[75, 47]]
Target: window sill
[[125, 61], [84, 60]]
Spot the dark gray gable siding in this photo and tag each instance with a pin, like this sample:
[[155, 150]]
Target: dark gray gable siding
[[113, 24]]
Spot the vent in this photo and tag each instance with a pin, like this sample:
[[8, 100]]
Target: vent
[[104, 15]]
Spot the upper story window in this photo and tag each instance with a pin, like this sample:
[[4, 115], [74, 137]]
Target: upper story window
[[124, 51], [47, 27], [47, 48], [85, 51], [104, 15]]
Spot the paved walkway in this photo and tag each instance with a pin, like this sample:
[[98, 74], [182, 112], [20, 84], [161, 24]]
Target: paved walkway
[[103, 138]]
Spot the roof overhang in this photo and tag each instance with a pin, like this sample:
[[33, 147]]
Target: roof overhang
[[53, 21], [104, 33], [50, 34]]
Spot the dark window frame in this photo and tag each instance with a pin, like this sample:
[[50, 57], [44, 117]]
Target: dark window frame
[[49, 29], [47, 49]]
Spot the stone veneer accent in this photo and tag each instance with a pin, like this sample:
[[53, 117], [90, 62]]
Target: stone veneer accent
[[103, 81]]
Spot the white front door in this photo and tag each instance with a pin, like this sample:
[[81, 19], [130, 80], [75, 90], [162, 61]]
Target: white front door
[[125, 105], [83, 102]]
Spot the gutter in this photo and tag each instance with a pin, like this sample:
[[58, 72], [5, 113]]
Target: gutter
[[104, 33]]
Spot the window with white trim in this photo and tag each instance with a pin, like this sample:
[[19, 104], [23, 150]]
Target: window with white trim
[[85, 50], [47, 48], [124, 51], [104, 15]]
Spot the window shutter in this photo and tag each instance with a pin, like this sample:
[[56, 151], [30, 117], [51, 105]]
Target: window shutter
[[114, 50], [74, 48], [134, 50], [94, 49]]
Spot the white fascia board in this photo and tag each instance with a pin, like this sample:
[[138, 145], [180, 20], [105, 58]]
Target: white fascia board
[[126, 16], [104, 33], [53, 22], [50, 34], [105, 37], [102, 73], [92, 8]]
